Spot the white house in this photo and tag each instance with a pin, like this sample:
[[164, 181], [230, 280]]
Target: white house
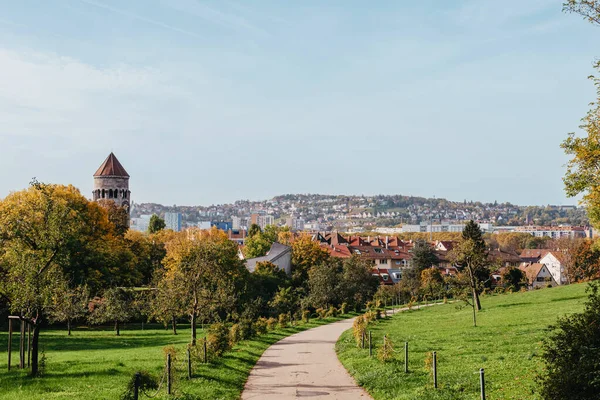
[[554, 260], [279, 255], [538, 274]]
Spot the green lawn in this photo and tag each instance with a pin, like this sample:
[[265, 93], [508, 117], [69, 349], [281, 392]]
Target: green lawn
[[96, 364], [506, 343]]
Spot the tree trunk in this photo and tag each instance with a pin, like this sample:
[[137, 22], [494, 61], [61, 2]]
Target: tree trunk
[[34, 349], [117, 328], [174, 323], [476, 302], [69, 327], [193, 323]]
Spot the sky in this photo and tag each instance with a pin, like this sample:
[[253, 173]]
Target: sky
[[208, 102]]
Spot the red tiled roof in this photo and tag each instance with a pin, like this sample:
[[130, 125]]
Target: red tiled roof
[[111, 167], [534, 253]]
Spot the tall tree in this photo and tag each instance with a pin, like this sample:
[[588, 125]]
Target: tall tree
[[357, 283], [156, 224], [114, 306], [423, 256], [117, 215], [306, 253], [324, 283], [471, 255], [43, 230], [69, 304]]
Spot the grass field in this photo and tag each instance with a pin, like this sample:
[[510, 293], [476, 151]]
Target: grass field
[[506, 343], [96, 364]]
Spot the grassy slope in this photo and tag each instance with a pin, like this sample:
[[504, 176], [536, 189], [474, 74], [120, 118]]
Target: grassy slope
[[506, 343], [97, 364]]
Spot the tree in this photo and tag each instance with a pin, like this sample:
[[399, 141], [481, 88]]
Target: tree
[[113, 306], [324, 283], [470, 254], [571, 353], [267, 279], [432, 282], [166, 302], [43, 231], [156, 224], [285, 301], [206, 272], [589, 9], [306, 253], [148, 252], [423, 256], [584, 262], [513, 277], [118, 216], [358, 285], [254, 230], [69, 304]]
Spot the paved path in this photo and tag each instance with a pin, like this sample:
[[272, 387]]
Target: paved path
[[304, 365]]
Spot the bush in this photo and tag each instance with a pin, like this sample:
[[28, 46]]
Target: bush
[[344, 308], [359, 328], [370, 316], [217, 339], [260, 326], [321, 312], [235, 334], [386, 352], [147, 382], [571, 353], [306, 316], [378, 313], [332, 312], [283, 320], [271, 323]]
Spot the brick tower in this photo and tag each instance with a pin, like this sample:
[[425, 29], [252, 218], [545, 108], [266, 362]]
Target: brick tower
[[111, 182]]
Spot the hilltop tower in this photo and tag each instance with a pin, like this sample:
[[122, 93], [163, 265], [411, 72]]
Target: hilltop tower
[[111, 182]]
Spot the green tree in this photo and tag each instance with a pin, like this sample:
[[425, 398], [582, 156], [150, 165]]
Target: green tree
[[306, 253], [156, 224], [42, 231], [113, 306], [423, 256], [432, 282], [267, 279], [254, 230], [324, 283], [571, 353], [357, 283], [285, 301], [514, 277], [470, 254], [69, 304]]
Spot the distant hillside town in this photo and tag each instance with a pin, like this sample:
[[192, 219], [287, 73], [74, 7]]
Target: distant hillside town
[[384, 214]]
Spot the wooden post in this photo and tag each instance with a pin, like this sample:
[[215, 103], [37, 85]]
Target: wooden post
[[435, 382], [9, 341], [370, 345], [189, 361], [363, 340], [169, 381], [482, 383], [205, 351], [22, 345], [28, 345], [136, 386], [406, 357]]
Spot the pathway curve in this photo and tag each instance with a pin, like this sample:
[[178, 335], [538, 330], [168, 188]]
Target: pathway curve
[[304, 365]]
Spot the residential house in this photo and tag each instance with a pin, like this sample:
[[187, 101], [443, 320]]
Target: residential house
[[278, 254], [537, 275], [555, 261]]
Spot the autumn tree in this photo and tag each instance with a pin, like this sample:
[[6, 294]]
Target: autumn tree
[[117, 215], [207, 273], [43, 230], [156, 224], [166, 302], [259, 243], [69, 304], [432, 282], [306, 253], [148, 251], [589, 9]]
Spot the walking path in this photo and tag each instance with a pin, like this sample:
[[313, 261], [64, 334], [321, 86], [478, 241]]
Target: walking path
[[304, 365]]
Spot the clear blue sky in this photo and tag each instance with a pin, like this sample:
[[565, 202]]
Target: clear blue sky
[[212, 101]]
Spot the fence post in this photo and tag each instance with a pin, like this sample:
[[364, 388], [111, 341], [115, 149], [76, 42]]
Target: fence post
[[189, 361], [205, 352], [363, 339], [169, 374], [28, 345], [482, 383], [406, 357], [22, 345], [9, 341], [435, 382], [370, 345], [136, 386]]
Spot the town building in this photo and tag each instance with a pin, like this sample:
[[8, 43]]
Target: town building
[[538, 275], [140, 224], [555, 261], [443, 227], [556, 232], [278, 254], [173, 221]]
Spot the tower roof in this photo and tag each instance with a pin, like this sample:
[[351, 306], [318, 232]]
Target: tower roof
[[111, 167]]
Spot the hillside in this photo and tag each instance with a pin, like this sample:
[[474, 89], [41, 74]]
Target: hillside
[[506, 343]]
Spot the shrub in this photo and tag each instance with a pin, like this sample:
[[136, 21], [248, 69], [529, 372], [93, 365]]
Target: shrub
[[235, 334], [147, 382], [217, 339], [370, 305], [306, 316], [321, 312], [344, 308], [332, 312], [386, 352], [378, 313], [246, 329], [283, 320], [271, 323], [359, 328], [260, 326], [370, 316], [571, 352]]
